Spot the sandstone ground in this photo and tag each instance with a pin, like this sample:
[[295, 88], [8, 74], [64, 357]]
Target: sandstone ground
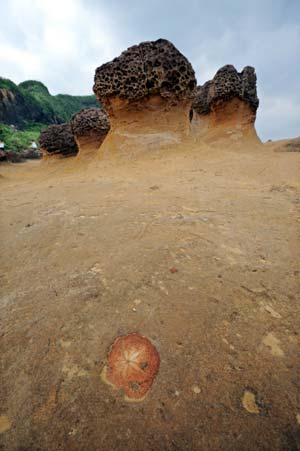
[[86, 254]]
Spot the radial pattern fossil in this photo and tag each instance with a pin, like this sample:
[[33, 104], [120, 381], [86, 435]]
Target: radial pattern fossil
[[132, 365]]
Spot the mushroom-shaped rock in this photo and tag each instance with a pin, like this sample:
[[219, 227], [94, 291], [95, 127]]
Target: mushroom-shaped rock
[[58, 141], [90, 127], [147, 92], [226, 105], [132, 365]]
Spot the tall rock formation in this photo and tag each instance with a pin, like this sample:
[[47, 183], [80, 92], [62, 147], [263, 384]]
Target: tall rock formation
[[147, 93], [90, 127], [226, 106], [57, 141]]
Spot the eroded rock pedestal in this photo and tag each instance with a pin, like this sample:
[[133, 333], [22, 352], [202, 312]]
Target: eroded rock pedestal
[[225, 107], [90, 127], [147, 94], [57, 142]]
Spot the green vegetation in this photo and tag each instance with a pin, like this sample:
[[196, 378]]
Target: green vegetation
[[61, 106], [32, 108], [34, 86], [36, 94], [66, 105], [20, 139], [7, 84]]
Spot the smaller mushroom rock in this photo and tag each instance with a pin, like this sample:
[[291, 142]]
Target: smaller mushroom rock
[[90, 127], [58, 140], [132, 365], [147, 93], [226, 105]]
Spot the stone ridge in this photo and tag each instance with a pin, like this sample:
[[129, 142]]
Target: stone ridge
[[58, 139], [154, 67], [227, 84], [89, 121]]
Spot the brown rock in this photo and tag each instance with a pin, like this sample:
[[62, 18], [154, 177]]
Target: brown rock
[[31, 154], [227, 103], [58, 140], [90, 127], [147, 93], [154, 67], [14, 157], [227, 84], [3, 156], [173, 270]]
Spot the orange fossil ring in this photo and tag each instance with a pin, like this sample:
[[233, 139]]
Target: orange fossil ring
[[132, 365]]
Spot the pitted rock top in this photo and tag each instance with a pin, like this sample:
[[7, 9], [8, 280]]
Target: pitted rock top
[[89, 121], [58, 139], [154, 67], [227, 84]]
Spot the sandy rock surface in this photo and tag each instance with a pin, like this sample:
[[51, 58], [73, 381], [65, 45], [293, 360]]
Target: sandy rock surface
[[196, 249]]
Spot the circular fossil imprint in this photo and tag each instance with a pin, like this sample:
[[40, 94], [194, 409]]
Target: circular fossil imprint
[[132, 365]]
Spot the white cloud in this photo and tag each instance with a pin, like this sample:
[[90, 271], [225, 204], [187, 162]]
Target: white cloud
[[18, 61], [61, 42], [278, 117]]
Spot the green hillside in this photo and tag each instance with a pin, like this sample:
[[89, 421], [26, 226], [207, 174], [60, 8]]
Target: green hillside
[[63, 106], [30, 107]]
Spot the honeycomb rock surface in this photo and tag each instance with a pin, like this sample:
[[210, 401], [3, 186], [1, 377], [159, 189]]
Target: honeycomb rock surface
[[90, 121], [154, 67], [227, 84], [58, 140]]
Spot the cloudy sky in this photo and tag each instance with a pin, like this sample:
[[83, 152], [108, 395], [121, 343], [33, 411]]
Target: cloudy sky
[[61, 42]]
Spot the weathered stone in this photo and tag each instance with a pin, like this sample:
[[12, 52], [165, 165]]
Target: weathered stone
[[90, 127], [225, 107], [19, 157], [147, 92], [89, 120], [14, 157], [3, 156], [154, 67], [58, 140], [31, 154], [227, 84]]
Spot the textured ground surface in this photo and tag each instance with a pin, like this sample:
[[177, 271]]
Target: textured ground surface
[[86, 257]]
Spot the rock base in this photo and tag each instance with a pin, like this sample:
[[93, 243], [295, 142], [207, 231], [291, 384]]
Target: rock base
[[144, 126], [231, 120], [89, 145]]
